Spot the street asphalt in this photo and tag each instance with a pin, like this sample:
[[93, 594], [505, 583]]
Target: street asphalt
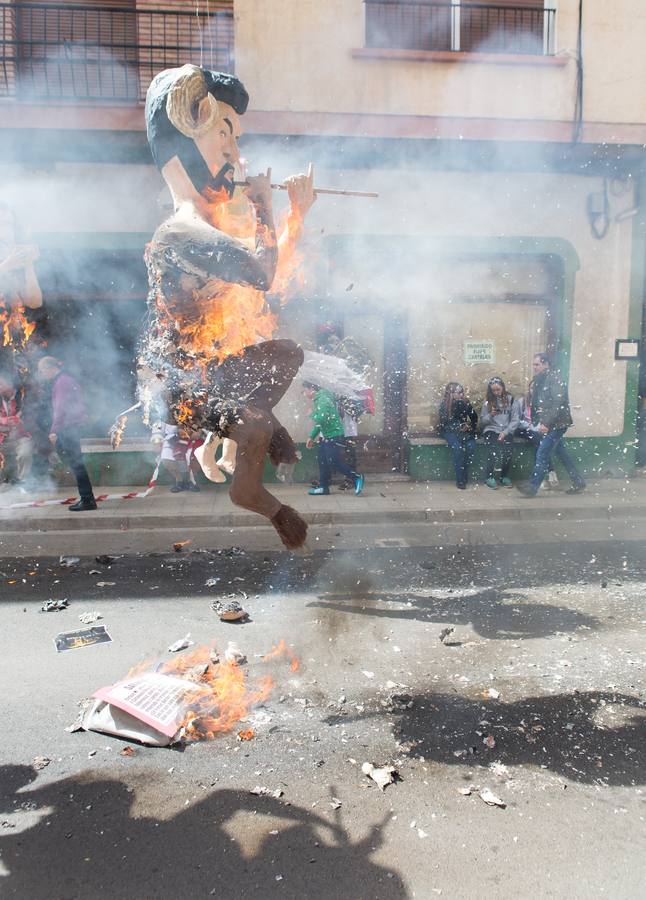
[[537, 694]]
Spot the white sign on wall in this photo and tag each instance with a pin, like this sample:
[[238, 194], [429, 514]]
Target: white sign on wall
[[479, 352]]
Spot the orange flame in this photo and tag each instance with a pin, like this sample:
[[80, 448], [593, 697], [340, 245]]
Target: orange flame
[[16, 328], [227, 697], [233, 316]]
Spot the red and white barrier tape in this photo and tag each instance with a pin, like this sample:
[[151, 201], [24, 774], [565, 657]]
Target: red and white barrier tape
[[101, 498]]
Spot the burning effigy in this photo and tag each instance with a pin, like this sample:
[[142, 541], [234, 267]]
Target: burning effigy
[[19, 287], [208, 361]]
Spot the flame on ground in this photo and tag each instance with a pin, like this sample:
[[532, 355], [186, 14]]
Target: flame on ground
[[228, 697]]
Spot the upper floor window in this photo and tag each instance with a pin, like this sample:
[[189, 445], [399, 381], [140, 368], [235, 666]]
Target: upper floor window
[[502, 26], [80, 50]]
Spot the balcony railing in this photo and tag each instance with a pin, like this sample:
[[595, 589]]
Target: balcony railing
[[462, 25], [102, 53]]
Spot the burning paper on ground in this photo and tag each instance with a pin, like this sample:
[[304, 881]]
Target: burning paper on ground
[[189, 698], [149, 708]]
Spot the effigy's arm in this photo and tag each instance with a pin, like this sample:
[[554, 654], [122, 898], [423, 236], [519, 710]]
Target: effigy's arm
[[300, 189]]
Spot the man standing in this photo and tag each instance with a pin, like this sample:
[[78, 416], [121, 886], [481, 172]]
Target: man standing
[[328, 429], [550, 414], [68, 414], [15, 440]]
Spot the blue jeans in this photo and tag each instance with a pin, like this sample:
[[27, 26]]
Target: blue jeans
[[463, 446], [329, 459], [552, 444]]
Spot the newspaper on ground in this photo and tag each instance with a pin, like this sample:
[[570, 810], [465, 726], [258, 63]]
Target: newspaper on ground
[[149, 708], [84, 637]]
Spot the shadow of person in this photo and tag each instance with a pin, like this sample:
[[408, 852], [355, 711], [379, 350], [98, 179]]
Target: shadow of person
[[87, 843], [493, 614], [589, 737]]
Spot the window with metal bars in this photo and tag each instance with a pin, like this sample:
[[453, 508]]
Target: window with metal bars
[[503, 26], [108, 51]]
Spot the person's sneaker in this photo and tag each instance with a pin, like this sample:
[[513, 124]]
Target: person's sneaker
[[358, 484], [576, 488], [491, 483], [526, 489], [506, 482], [177, 489], [317, 492], [193, 487], [83, 505], [460, 485], [552, 478]]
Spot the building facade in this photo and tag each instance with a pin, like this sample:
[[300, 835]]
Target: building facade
[[505, 141]]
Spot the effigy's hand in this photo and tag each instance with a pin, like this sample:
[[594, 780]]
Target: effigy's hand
[[300, 189], [259, 189]]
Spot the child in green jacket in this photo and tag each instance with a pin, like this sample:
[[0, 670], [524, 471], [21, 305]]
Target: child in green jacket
[[328, 431]]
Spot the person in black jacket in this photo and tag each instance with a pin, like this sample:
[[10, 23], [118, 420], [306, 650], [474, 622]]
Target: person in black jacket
[[458, 423], [550, 413]]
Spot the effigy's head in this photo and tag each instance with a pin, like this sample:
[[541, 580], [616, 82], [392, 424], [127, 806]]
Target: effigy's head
[[192, 121]]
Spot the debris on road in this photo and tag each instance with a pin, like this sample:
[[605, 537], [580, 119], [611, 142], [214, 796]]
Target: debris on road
[[68, 561], [211, 582], [335, 803], [490, 798], [493, 693], [246, 735], [106, 583], [127, 751], [466, 791], [233, 654], [265, 792], [40, 762], [181, 644], [89, 618], [381, 776], [104, 559], [178, 546], [77, 724], [229, 610], [445, 632], [85, 637], [55, 605]]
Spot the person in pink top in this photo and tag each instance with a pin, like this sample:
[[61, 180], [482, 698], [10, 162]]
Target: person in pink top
[[68, 415]]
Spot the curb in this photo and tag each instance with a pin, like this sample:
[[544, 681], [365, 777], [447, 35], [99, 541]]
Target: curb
[[526, 513]]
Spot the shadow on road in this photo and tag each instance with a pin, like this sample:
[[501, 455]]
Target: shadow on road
[[592, 737], [493, 614], [87, 843]]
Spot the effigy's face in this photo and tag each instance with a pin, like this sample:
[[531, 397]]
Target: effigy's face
[[219, 146]]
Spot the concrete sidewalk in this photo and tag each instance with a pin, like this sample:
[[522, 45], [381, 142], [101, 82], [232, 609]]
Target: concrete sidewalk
[[405, 502]]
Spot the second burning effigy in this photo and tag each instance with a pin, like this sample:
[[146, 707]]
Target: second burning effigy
[[207, 360]]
